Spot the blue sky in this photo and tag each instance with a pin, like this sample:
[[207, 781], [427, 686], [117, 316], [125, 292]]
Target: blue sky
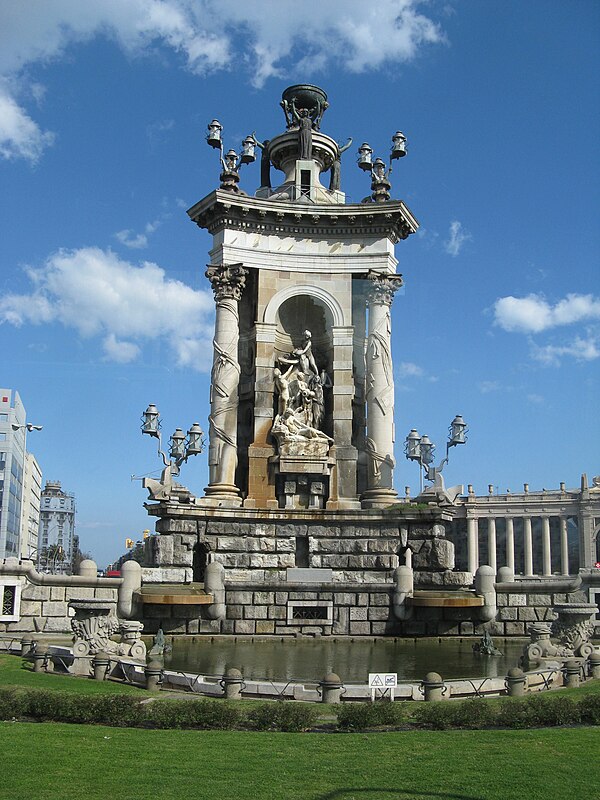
[[103, 302]]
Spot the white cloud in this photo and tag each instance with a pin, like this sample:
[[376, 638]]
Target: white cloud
[[137, 241], [533, 314], [535, 399], [485, 387], [406, 369], [120, 351], [580, 349], [97, 294], [20, 136], [287, 36], [456, 238]]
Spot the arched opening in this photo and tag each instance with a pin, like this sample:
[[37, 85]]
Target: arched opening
[[199, 561], [294, 317]]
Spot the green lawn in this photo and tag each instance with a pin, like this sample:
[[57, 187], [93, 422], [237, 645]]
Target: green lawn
[[15, 671], [56, 761]]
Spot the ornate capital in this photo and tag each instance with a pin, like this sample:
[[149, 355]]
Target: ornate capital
[[227, 281], [380, 288]]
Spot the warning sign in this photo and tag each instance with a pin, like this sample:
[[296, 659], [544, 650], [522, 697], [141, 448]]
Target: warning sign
[[383, 680]]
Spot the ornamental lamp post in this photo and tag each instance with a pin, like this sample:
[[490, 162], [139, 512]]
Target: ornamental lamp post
[[421, 449], [230, 161], [380, 184], [181, 447]]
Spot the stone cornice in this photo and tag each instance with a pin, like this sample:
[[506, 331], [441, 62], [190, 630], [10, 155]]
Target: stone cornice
[[221, 209]]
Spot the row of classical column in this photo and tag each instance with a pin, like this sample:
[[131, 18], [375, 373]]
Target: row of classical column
[[473, 545]]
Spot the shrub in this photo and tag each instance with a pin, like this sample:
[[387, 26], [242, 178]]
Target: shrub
[[589, 708], [281, 716], [539, 710], [206, 714], [363, 716], [13, 703]]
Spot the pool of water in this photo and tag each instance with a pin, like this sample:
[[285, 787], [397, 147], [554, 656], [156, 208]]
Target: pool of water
[[352, 659]]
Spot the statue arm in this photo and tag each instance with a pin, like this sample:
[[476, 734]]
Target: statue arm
[[346, 146]]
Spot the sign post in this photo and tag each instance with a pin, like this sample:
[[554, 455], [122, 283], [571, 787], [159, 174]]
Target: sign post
[[380, 683]]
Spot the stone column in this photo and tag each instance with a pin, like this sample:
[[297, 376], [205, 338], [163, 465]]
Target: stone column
[[261, 492], [472, 544], [546, 554], [510, 544], [227, 283], [343, 396], [564, 547], [492, 543], [527, 547], [380, 392]]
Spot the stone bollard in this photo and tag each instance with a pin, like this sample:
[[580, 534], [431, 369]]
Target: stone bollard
[[153, 672], [232, 684], [40, 657], [100, 665], [331, 687], [26, 646], [571, 671], [433, 686], [595, 665], [515, 682]]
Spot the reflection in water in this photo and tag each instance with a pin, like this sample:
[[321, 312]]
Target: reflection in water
[[353, 659]]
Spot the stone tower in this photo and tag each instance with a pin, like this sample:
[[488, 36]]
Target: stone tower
[[300, 528], [302, 395]]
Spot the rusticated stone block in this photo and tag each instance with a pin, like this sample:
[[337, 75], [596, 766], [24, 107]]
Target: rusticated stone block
[[360, 629], [379, 599], [281, 598], [303, 595], [176, 625], [285, 545], [514, 628], [167, 526], [322, 531], [57, 592], [31, 608], [276, 612], [232, 543], [261, 545], [501, 599], [209, 626], [255, 612], [51, 608], [235, 612], [429, 578], [268, 560], [243, 598], [378, 614], [527, 614], [379, 628], [457, 578], [264, 598], [57, 625], [32, 592], [335, 561], [81, 593], [539, 600], [344, 598], [341, 621], [505, 614], [434, 554], [358, 614], [264, 626], [517, 599], [244, 626], [227, 626], [106, 594]]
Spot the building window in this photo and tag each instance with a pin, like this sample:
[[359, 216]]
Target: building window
[[10, 599]]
